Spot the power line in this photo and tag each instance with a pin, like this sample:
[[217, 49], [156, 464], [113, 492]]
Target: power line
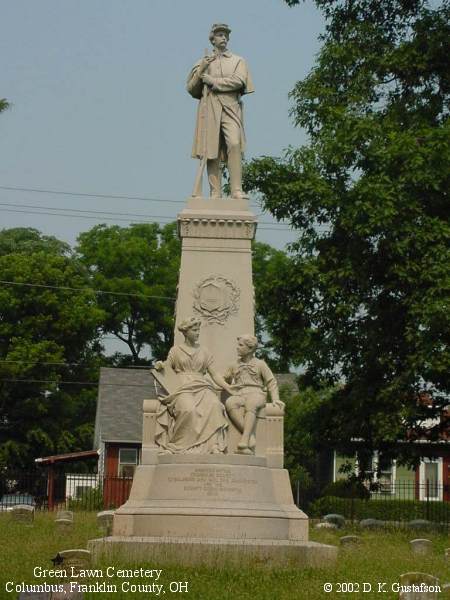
[[88, 195], [31, 212], [275, 226], [65, 364], [96, 383], [76, 210], [86, 289]]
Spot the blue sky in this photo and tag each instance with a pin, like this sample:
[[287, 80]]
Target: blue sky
[[99, 103]]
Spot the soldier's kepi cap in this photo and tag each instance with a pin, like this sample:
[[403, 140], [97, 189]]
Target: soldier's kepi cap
[[219, 27]]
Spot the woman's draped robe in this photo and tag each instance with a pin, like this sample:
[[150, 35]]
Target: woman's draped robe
[[193, 418]]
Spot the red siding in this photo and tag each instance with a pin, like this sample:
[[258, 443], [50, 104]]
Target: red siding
[[446, 477], [115, 489]]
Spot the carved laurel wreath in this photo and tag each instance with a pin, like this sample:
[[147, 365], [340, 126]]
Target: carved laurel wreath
[[226, 303]]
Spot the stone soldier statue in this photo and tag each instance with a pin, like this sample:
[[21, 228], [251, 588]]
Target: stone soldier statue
[[219, 81]]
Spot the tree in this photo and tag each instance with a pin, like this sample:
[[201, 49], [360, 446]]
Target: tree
[[48, 337], [369, 195], [142, 263], [271, 275], [4, 104]]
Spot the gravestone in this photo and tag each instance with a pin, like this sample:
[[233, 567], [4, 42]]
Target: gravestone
[[326, 525], [64, 514], [75, 559], [105, 521], [23, 513], [338, 520], [371, 523], [350, 540], [420, 524], [421, 546], [418, 586], [64, 525]]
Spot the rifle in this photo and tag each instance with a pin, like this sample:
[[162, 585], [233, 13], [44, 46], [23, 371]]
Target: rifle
[[199, 177]]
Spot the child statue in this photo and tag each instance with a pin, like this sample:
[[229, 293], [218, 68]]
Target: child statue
[[250, 378]]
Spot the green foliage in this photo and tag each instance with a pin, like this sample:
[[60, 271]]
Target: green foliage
[[91, 499], [271, 271], [41, 326], [305, 452], [384, 510], [344, 488], [142, 260], [4, 104], [369, 282]]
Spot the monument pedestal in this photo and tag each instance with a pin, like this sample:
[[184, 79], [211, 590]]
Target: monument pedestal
[[185, 506], [211, 496], [207, 508], [216, 273]]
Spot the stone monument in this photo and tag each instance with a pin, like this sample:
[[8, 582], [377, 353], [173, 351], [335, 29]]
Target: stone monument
[[211, 480]]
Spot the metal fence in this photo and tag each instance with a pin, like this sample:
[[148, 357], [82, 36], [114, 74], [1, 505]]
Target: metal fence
[[399, 502], [72, 491], [403, 501]]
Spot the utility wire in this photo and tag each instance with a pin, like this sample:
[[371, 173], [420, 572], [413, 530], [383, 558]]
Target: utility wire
[[31, 212], [76, 210], [87, 195], [86, 289], [67, 364], [100, 219], [82, 194], [104, 212], [96, 383]]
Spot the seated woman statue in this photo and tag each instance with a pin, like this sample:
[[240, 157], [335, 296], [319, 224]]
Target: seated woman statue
[[193, 418]]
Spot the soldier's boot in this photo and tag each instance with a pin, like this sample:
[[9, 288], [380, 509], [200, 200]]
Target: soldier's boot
[[235, 171]]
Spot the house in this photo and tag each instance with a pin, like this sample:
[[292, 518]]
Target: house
[[430, 480], [118, 427]]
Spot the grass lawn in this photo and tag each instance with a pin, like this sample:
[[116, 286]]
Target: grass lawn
[[381, 558]]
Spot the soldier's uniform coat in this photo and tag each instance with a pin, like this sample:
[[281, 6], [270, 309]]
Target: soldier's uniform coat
[[222, 110]]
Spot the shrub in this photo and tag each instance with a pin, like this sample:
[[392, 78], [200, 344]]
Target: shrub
[[91, 499], [387, 509], [343, 488]]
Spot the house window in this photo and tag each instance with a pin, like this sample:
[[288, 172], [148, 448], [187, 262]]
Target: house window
[[380, 470], [430, 472], [128, 459], [385, 474]]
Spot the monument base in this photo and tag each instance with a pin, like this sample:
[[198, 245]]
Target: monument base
[[195, 508], [211, 496], [213, 552]]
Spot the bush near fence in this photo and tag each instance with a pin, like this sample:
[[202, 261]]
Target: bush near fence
[[385, 510], [91, 499]]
